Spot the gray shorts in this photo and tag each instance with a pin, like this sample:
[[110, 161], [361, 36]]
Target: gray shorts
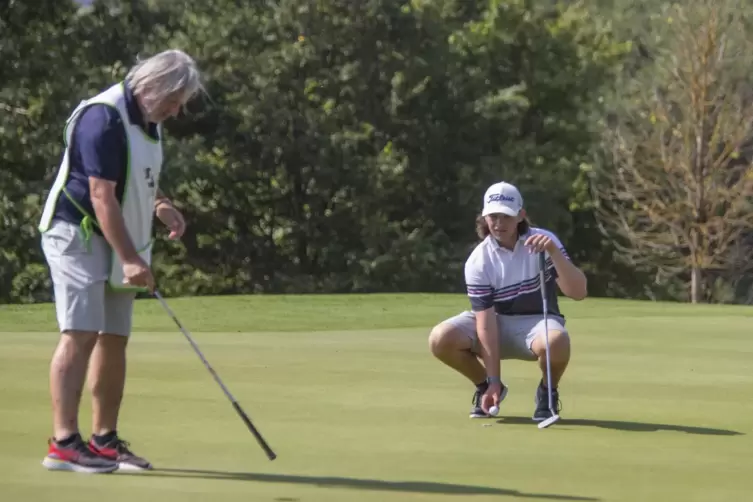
[[516, 332], [79, 271]]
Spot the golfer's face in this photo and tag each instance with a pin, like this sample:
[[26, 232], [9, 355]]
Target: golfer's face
[[166, 109], [502, 226]]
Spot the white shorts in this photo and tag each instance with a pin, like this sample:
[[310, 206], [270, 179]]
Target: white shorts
[[79, 270], [516, 332]]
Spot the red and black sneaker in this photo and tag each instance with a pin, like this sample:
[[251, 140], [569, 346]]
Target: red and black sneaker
[[116, 450], [74, 455]]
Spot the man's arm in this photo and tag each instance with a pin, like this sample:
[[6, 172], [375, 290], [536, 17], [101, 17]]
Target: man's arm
[[100, 139], [161, 198], [110, 218], [481, 295], [488, 336], [570, 279]]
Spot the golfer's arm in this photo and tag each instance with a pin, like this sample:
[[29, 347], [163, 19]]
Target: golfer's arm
[[160, 199], [110, 218], [571, 280], [486, 327]]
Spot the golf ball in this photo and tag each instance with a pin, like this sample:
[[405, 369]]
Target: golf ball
[[494, 410]]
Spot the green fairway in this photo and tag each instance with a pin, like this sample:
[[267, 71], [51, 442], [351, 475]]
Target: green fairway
[[657, 406]]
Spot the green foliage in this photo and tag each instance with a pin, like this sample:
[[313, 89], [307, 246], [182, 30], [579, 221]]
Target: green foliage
[[341, 146], [51, 57]]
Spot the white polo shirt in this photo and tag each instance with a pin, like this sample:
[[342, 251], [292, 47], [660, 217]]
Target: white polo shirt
[[508, 280]]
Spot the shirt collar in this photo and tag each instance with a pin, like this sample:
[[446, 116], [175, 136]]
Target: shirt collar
[[134, 112]]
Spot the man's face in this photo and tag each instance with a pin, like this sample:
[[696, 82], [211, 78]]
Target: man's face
[[167, 108], [503, 227], [159, 110]]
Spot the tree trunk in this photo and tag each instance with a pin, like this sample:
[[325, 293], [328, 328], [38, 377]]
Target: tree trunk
[[695, 283], [695, 264]]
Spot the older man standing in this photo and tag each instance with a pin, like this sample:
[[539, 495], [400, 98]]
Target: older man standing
[[97, 237]]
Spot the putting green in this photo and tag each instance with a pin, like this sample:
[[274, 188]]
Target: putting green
[[657, 406]]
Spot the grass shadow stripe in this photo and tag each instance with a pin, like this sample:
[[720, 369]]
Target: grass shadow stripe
[[627, 426], [358, 483]]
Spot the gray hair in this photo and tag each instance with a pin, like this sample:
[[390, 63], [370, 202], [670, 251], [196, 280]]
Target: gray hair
[[165, 74]]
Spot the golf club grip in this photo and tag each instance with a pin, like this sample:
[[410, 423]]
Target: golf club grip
[[272, 455], [542, 278], [542, 261]]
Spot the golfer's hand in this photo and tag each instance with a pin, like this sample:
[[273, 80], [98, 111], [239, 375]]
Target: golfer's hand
[[539, 242], [137, 273], [491, 396], [173, 220]]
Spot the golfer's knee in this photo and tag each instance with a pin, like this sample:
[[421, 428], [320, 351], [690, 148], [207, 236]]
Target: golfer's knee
[[444, 338], [113, 343], [559, 346], [77, 341], [73, 350]]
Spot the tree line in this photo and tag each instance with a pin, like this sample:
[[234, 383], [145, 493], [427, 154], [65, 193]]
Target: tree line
[[345, 146]]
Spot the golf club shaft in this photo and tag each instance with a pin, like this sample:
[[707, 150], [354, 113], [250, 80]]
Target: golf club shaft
[[545, 308], [262, 442]]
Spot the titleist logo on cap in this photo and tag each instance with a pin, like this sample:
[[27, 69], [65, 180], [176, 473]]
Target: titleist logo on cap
[[500, 197]]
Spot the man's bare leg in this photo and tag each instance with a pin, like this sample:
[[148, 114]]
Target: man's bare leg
[[559, 355], [107, 374], [67, 374], [453, 347]]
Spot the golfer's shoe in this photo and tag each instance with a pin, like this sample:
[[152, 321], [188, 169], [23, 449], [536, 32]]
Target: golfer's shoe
[[542, 411], [116, 450], [77, 457], [476, 410]]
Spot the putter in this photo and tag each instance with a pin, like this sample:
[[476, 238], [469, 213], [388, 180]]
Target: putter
[[542, 279], [270, 454]]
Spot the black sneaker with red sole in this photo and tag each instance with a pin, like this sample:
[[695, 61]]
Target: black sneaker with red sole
[[76, 456], [117, 450]]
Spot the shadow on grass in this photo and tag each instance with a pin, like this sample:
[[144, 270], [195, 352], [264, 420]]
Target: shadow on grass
[[356, 483], [627, 426]]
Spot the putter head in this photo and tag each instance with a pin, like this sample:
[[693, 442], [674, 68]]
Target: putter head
[[549, 421]]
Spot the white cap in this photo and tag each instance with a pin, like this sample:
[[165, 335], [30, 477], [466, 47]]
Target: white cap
[[502, 198]]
